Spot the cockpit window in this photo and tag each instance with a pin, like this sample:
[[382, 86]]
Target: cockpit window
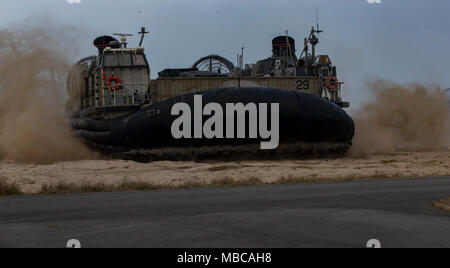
[[138, 60], [125, 60], [111, 60]]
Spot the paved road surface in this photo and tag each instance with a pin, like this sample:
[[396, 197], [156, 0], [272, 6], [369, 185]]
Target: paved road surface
[[399, 213]]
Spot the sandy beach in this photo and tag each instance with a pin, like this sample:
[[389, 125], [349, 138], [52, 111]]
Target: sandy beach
[[30, 178]]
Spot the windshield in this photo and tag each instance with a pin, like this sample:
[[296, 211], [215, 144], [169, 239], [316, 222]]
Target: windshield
[[111, 60], [124, 60], [139, 60]]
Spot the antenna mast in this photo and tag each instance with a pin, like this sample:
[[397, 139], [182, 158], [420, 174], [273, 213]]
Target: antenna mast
[[289, 45], [313, 40], [142, 33], [317, 20]]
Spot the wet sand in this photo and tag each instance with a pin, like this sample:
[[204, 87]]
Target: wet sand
[[31, 177]]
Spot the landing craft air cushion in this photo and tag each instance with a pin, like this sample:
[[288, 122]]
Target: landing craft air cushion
[[122, 110]]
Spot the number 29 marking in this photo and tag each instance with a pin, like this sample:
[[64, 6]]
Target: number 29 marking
[[302, 84]]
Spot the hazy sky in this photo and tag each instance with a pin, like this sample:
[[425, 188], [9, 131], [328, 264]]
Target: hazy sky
[[401, 40]]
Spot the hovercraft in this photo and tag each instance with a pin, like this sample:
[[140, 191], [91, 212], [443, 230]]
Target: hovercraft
[[223, 110]]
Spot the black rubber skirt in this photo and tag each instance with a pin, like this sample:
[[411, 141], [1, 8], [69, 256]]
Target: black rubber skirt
[[303, 118]]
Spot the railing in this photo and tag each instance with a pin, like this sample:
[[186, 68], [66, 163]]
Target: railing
[[125, 96]]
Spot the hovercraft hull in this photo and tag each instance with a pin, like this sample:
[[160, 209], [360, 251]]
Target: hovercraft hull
[[303, 119]]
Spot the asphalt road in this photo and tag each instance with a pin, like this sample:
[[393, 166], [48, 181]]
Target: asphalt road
[[399, 213]]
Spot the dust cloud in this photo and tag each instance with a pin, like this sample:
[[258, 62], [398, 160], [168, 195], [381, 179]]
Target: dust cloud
[[34, 65], [401, 118]]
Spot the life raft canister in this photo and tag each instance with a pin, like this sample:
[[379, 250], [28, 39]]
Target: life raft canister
[[116, 79], [332, 83]]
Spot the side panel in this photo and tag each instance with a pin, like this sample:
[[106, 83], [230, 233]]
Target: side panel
[[166, 88]]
